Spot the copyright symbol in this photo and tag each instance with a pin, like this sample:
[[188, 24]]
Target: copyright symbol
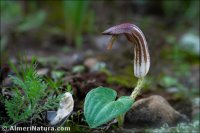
[[4, 128]]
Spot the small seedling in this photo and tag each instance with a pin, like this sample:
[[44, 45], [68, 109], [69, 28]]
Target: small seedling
[[29, 95], [100, 105]]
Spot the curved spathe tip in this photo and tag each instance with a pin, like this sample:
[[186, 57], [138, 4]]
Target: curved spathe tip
[[136, 36]]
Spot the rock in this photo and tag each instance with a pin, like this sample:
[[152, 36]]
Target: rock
[[172, 90], [99, 66], [94, 65], [183, 105], [90, 62], [78, 69], [190, 42], [57, 74], [153, 111], [43, 71]]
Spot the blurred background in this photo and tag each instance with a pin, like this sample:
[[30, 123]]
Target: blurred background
[[67, 34]]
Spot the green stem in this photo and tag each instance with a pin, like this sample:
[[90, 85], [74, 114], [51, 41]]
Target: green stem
[[137, 88], [120, 120]]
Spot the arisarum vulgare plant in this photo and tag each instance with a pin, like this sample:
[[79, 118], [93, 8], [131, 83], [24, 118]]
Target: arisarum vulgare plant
[[100, 105]]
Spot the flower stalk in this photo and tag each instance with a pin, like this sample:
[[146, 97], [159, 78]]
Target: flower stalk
[[137, 89]]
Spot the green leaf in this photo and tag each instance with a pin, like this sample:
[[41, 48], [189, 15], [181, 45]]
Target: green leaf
[[100, 106]]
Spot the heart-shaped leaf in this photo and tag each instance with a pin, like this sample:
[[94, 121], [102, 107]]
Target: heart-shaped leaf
[[100, 106]]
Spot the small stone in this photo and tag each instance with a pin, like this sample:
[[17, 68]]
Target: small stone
[[56, 74], [94, 65], [153, 111], [190, 42], [173, 90], [78, 69], [90, 62], [43, 71], [99, 66]]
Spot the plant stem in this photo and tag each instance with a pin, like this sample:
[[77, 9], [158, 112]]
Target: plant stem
[[137, 88], [120, 120]]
